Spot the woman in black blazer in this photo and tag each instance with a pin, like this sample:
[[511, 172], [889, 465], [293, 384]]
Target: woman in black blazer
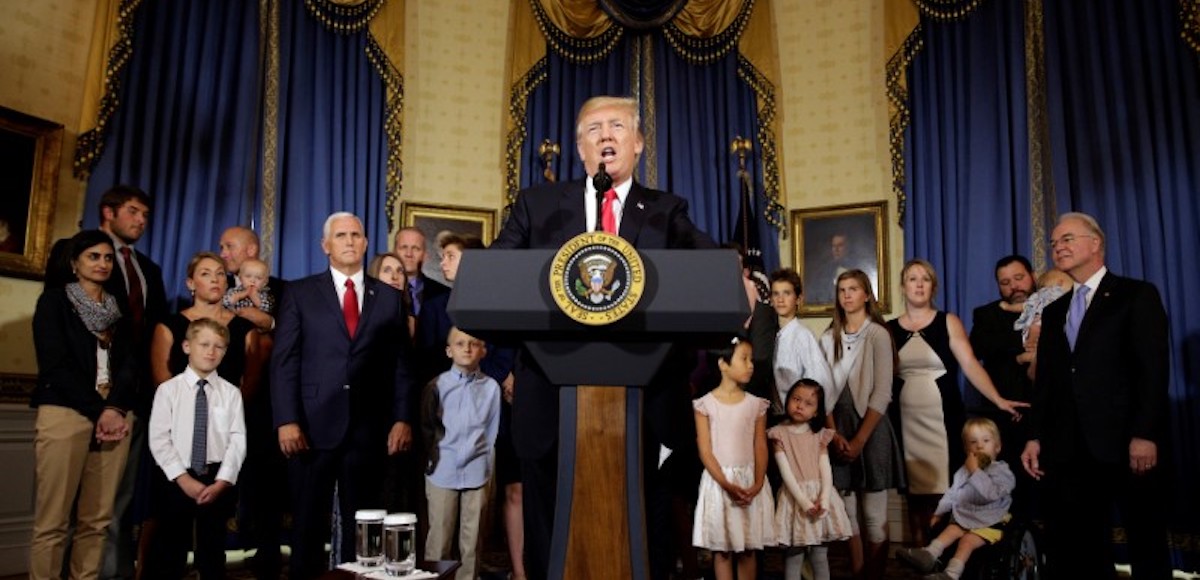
[[85, 387]]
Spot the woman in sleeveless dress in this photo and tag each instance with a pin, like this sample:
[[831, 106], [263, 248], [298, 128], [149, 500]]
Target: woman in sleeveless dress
[[931, 346]]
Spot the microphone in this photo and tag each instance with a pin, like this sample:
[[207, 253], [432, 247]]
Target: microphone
[[602, 183]]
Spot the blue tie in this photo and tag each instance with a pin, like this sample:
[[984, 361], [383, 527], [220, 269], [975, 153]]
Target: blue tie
[[200, 431], [1075, 314]]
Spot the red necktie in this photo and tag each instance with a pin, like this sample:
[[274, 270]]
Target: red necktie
[[137, 305], [608, 217], [350, 307]]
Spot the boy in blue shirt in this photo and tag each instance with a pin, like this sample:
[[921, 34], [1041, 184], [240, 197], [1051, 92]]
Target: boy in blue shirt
[[460, 419]]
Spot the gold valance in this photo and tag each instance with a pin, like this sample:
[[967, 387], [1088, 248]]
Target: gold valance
[[947, 10], [344, 16], [1189, 16], [112, 46], [901, 41]]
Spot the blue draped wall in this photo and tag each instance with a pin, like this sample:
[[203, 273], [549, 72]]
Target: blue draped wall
[[552, 106], [186, 130], [332, 149], [1124, 102], [698, 111], [966, 155]]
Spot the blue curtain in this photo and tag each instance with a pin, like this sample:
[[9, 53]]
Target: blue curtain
[[332, 149], [1124, 103], [186, 130], [700, 109], [552, 106], [966, 155]]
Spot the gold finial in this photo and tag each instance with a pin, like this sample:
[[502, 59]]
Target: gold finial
[[548, 150], [741, 146]]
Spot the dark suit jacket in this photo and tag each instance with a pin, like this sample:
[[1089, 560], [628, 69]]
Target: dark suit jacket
[[1114, 385], [433, 327], [323, 379], [66, 355], [546, 217], [156, 293]]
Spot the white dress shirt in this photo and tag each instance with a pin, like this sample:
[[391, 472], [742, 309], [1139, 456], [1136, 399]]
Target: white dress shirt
[[339, 284], [589, 202], [172, 418]]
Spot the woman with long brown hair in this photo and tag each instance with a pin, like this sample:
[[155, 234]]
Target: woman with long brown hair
[[867, 459]]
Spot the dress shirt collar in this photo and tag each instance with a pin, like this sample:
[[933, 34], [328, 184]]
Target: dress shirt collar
[[1092, 284], [191, 376], [339, 280], [591, 212], [465, 375]]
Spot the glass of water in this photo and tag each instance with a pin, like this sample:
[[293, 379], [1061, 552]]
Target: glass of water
[[399, 543], [369, 537]]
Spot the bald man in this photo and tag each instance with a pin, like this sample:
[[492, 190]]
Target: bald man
[[237, 245], [263, 478]]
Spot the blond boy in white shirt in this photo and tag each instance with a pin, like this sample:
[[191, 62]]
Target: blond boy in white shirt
[[197, 436]]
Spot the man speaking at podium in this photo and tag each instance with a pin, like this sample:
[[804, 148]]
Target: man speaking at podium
[[609, 140]]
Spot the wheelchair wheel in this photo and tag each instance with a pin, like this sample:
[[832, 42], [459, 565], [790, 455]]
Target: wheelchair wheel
[[1018, 556]]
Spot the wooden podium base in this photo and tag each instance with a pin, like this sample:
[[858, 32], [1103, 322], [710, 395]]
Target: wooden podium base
[[599, 525]]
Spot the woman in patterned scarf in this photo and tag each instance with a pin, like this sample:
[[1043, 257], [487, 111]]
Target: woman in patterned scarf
[[84, 389]]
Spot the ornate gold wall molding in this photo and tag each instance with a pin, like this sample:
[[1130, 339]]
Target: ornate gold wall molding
[[268, 28], [902, 41], [1042, 202]]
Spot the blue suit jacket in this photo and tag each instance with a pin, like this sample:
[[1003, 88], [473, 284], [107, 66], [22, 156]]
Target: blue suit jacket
[[322, 379]]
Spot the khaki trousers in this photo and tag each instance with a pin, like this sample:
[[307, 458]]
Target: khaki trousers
[[448, 507], [66, 467]]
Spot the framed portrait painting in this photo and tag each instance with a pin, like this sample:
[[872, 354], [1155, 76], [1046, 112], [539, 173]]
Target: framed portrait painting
[[827, 241], [433, 219], [30, 150]]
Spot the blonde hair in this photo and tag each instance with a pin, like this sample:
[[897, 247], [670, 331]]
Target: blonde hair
[[630, 105], [980, 423], [928, 268], [195, 326]]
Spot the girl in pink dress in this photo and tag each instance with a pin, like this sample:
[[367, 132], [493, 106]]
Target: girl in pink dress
[[810, 511], [733, 514]]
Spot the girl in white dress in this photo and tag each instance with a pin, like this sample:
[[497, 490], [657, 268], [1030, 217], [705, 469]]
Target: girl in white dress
[[810, 512], [734, 511]]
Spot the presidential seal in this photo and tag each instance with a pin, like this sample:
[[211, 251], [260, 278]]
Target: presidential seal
[[597, 278]]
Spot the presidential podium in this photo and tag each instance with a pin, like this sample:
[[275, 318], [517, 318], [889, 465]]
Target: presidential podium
[[689, 298]]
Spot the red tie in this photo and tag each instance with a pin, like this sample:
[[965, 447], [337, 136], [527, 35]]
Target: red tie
[[608, 217], [350, 307], [137, 305]]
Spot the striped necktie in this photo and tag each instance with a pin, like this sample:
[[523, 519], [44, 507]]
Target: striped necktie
[[200, 430]]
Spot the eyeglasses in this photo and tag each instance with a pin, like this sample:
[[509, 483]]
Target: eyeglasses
[[1068, 239]]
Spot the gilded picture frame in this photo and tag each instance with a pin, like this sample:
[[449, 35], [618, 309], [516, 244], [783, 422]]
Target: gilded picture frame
[[432, 219], [827, 241], [30, 153]]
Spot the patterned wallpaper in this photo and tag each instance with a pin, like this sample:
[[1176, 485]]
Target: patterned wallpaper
[[835, 126], [43, 52], [455, 102]]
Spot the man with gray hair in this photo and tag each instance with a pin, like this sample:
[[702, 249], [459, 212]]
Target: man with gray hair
[[340, 391], [1099, 425]]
